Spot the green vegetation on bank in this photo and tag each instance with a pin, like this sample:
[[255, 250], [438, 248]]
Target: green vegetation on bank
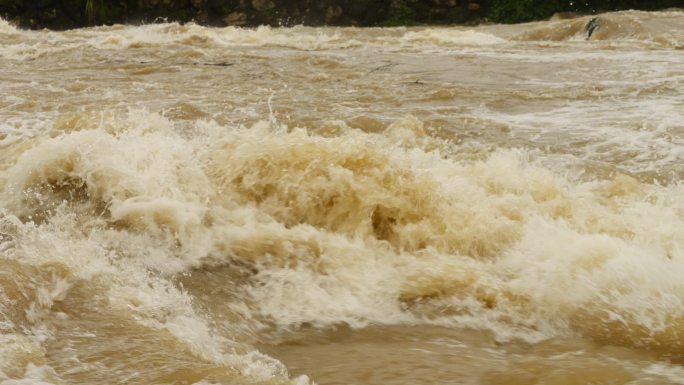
[[61, 14], [400, 15]]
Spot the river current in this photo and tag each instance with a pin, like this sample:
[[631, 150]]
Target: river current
[[490, 205]]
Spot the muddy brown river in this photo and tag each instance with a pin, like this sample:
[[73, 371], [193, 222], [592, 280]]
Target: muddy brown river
[[490, 205]]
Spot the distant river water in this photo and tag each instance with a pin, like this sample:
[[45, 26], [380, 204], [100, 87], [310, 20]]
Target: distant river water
[[491, 205]]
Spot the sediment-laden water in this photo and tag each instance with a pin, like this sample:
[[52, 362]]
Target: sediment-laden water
[[443, 205]]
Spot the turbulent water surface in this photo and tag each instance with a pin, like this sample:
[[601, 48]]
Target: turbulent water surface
[[443, 205]]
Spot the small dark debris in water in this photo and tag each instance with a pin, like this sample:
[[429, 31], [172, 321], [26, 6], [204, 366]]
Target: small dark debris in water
[[591, 26], [381, 68], [221, 64]]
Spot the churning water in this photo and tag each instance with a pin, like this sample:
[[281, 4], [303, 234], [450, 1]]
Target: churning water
[[444, 205]]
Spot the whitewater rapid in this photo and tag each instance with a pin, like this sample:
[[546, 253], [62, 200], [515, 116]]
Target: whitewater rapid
[[182, 204]]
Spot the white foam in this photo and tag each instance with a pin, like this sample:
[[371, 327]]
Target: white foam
[[451, 36], [7, 28], [672, 373], [34, 375], [349, 227]]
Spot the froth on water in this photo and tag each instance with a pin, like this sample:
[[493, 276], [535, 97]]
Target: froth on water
[[182, 204]]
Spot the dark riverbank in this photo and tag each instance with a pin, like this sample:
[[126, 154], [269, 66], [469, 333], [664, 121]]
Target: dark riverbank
[[64, 14]]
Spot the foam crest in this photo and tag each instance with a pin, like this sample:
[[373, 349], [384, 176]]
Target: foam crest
[[345, 185], [84, 179], [7, 28], [152, 35], [34, 375], [16, 352], [661, 28], [112, 172], [487, 210], [304, 38], [449, 36], [206, 38], [607, 27], [149, 35], [353, 227]]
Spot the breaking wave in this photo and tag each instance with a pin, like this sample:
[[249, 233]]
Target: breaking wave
[[309, 229]]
